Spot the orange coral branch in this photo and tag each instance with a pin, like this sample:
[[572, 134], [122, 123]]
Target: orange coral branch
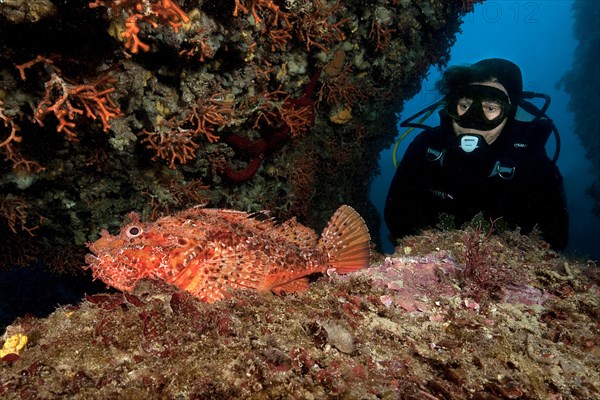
[[61, 96], [169, 12], [132, 41], [154, 14], [264, 105], [340, 90], [96, 102], [316, 28], [176, 140], [171, 143], [200, 45], [8, 122], [261, 7], [209, 113], [381, 34], [279, 38], [12, 154], [13, 210], [298, 118]]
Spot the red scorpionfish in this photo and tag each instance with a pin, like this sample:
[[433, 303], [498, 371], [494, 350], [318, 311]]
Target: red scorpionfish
[[210, 252]]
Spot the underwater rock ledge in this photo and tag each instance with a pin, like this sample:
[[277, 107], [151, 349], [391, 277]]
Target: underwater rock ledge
[[423, 323], [113, 106]]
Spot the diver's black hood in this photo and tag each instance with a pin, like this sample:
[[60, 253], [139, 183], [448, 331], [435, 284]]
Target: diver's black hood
[[456, 80], [507, 73]]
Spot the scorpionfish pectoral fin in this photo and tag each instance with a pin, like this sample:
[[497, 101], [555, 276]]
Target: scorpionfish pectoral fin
[[213, 279]]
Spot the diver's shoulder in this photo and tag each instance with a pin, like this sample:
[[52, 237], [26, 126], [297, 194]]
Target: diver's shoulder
[[433, 134]]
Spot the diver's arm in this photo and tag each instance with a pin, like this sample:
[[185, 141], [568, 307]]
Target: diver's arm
[[543, 202], [554, 215], [404, 209], [397, 202]]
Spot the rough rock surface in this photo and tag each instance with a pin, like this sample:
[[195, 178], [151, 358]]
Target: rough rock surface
[[430, 322], [109, 106]]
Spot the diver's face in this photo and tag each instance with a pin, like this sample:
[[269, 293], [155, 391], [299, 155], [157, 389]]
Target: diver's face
[[489, 136], [490, 108], [481, 110]]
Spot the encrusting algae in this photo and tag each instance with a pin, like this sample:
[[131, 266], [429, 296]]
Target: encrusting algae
[[209, 252], [406, 327]]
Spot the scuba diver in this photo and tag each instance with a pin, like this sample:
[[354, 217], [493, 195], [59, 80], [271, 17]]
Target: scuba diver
[[481, 159]]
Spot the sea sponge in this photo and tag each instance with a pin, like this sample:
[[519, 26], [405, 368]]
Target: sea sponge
[[341, 115]]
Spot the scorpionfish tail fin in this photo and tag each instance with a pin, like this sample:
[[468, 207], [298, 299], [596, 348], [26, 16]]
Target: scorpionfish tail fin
[[346, 241]]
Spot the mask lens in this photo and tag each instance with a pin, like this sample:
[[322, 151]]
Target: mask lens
[[478, 106], [492, 110], [462, 105]]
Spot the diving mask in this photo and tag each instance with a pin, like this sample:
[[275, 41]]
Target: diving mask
[[479, 107]]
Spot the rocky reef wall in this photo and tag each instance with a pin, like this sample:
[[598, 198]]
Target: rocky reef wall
[[119, 105], [583, 85]]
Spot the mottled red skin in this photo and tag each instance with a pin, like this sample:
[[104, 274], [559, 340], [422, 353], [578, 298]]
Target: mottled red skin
[[208, 252]]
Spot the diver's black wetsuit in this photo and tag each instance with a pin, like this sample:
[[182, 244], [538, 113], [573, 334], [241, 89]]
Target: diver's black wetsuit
[[437, 177]]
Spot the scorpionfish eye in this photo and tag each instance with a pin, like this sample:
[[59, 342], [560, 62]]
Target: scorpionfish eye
[[133, 231]]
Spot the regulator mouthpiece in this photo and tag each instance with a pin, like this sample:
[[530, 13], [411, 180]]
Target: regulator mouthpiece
[[470, 142]]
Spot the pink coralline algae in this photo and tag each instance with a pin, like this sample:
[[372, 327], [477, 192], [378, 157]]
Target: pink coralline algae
[[414, 282], [525, 294]]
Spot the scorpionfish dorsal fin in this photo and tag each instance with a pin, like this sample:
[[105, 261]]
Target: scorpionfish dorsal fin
[[346, 240]]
